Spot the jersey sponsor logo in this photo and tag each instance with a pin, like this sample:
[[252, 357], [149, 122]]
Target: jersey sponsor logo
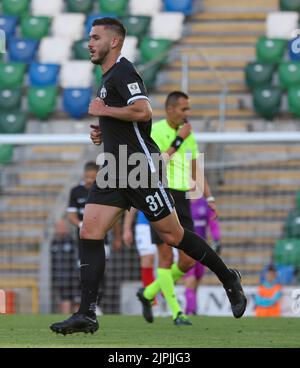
[[81, 200], [134, 88], [103, 92]]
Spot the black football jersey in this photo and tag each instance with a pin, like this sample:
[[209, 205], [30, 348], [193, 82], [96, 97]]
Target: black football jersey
[[121, 86], [78, 197]]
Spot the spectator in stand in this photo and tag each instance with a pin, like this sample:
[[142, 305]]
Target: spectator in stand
[[268, 296]]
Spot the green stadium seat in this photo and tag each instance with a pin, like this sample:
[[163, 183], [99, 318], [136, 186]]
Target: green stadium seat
[[11, 75], [117, 7], [298, 200], [149, 75], [136, 25], [13, 122], [270, 50], [287, 251], [292, 225], [80, 6], [294, 102], [42, 101], [35, 27], [289, 74], [6, 153], [98, 76], [15, 7], [259, 74], [154, 49], [10, 99], [290, 5], [267, 101], [81, 51]]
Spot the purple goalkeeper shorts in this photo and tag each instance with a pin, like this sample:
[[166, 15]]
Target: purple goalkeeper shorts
[[197, 271]]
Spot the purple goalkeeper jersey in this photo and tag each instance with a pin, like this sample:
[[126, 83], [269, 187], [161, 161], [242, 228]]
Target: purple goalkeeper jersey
[[202, 216]]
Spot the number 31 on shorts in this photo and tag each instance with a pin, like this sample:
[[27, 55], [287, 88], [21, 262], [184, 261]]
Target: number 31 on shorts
[[154, 202]]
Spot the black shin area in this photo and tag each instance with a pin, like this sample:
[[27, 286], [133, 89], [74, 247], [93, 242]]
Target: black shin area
[[197, 248], [91, 272]]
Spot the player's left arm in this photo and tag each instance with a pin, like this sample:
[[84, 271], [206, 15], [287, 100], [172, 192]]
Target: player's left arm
[[139, 110]]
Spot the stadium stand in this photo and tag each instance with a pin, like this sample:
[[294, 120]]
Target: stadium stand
[[117, 7], [47, 9], [55, 50], [35, 27], [43, 74], [8, 24], [17, 7], [290, 5], [42, 101], [76, 101], [167, 25], [82, 6], [259, 74], [183, 6], [270, 50], [68, 25], [12, 122], [22, 50], [11, 74], [10, 99], [148, 8], [76, 74]]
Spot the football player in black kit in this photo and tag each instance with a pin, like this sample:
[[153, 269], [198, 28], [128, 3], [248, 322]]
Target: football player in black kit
[[125, 118]]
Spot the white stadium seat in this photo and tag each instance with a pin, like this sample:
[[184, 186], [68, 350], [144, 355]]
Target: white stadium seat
[[47, 8], [148, 7], [167, 25], [129, 49], [76, 74], [55, 50], [69, 25], [281, 24]]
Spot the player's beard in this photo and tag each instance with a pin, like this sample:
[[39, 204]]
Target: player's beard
[[101, 56]]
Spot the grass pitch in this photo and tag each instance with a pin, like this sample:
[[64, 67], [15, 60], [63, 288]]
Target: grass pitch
[[20, 331]]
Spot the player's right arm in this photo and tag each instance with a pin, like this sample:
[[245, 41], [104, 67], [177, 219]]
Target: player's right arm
[[139, 110]]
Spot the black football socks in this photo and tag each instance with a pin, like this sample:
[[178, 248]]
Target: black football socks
[[91, 272], [197, 248]]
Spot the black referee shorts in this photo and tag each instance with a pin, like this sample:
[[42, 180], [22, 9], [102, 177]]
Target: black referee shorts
[[156, 203], [183, 209]]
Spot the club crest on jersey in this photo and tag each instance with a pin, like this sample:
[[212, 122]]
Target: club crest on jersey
[[134, 88], [103, 92]]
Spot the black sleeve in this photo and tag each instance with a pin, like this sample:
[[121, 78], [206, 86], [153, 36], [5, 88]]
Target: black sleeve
[[130, 85], [73, 206]]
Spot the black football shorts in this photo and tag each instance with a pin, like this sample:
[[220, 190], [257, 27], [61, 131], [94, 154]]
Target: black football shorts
[[156, 203]]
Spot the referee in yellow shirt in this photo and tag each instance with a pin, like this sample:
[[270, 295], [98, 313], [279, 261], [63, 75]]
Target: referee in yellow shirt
[[175, 138]]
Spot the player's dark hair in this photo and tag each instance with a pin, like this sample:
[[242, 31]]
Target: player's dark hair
[[89, 166], [111, 23], [173, 97]]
